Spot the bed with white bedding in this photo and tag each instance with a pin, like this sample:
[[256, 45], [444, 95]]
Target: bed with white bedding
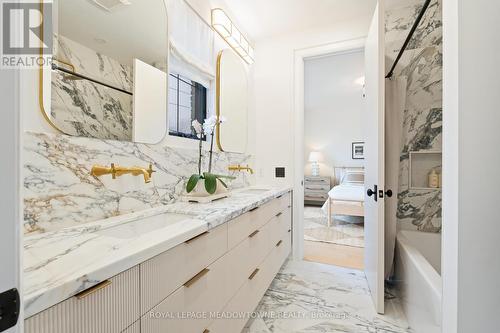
[[348, 197]]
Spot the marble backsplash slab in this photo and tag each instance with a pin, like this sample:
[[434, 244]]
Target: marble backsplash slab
[[84, 108], [60, 192], [81, 107], [421, 64]]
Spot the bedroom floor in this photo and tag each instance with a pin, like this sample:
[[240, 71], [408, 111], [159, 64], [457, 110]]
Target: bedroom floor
[[341, 244]]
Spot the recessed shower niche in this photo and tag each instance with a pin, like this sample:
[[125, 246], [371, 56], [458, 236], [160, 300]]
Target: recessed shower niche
[[423, 166]]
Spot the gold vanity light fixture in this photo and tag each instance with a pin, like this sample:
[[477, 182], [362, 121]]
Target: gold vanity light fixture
[[230, 33], [117, 171], [240, 168]]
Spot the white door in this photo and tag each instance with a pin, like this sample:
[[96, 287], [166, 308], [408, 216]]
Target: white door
[[10, 185], [374, 157]]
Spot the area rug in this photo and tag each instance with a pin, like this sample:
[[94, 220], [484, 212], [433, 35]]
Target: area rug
[[345, 230]]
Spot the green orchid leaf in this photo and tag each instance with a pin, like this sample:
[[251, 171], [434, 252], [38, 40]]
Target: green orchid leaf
[[210, 183], [224, 176], [222, 182], [191, 184]]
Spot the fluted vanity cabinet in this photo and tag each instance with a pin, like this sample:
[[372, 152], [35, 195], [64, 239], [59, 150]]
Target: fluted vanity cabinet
[[134, 328], [258, 242], [188, 288], [249, 295], [112, 306], [163, 274]]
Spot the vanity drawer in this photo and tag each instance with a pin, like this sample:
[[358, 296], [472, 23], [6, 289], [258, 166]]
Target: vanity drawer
[[188, 309], [247, 255], [250, 294], [163, 274], [285, 201], [284, 226], [244, 225], [110, 307]]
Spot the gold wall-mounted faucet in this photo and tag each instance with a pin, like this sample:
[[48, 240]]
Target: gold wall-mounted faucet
[[117, 171], [240, 168]]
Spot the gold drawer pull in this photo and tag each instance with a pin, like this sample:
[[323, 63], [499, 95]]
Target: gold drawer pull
[[253, 274], [279, 214], [195, 278], [253, 233], [92, 290], [255, 208], [279, 243], [196, 237]]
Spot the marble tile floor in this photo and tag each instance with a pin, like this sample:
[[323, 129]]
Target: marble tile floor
[[309, 297]]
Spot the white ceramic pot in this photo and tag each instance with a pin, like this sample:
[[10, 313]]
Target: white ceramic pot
[[200, 191]]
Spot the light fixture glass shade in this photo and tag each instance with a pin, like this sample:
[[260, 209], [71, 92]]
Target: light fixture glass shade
[[248, 59], [250, 52], [244, 44], [235, 39], [227, 30], [315, 156], [221, 22]]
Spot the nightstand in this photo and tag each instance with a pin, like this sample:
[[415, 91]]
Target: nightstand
[[316, 190]]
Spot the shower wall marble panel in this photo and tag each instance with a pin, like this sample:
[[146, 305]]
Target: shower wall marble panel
[[421, 64], [60, 192], [83, 108]]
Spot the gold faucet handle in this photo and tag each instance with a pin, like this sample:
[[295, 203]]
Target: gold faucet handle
[[113, 171], [150, 170]]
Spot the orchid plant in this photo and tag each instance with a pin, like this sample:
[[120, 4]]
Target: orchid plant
[[203, 130]]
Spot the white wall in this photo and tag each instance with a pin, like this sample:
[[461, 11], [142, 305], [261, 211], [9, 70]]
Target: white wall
[[273, 93], [471, 228], [334, 107], [10, 187]]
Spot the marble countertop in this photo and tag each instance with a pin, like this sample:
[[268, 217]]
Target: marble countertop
[[60, 264]]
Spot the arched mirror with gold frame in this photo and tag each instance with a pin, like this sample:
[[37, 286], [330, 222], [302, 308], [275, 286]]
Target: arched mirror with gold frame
[[108, 78], [232, 102]]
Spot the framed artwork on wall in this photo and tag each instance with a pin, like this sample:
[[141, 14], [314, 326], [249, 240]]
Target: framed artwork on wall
[[358, 150]]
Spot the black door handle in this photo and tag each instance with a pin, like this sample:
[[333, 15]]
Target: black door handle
[[373, 192], [388, 193], [9, 309]]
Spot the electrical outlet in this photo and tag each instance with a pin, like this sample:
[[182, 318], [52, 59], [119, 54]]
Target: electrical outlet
[[280, 172]]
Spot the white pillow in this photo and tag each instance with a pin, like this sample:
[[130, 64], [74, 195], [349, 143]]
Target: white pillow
[[353, 177]]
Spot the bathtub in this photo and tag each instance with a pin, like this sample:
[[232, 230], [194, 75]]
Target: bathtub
[[418, 275]]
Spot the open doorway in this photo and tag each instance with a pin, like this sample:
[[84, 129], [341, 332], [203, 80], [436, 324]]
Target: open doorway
[[334, 158]]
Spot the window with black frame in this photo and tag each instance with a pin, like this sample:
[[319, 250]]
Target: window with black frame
[[187, 102]]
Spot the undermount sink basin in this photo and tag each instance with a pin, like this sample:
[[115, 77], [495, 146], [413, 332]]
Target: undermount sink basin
[[143, 226], [255, 190]]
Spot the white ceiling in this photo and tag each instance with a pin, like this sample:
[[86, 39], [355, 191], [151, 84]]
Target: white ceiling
[[265, 18]]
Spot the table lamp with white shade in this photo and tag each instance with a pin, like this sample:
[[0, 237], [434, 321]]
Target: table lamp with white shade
[[314, 158]]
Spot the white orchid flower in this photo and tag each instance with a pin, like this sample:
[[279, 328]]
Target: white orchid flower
[[197, 127], [209, 124]]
